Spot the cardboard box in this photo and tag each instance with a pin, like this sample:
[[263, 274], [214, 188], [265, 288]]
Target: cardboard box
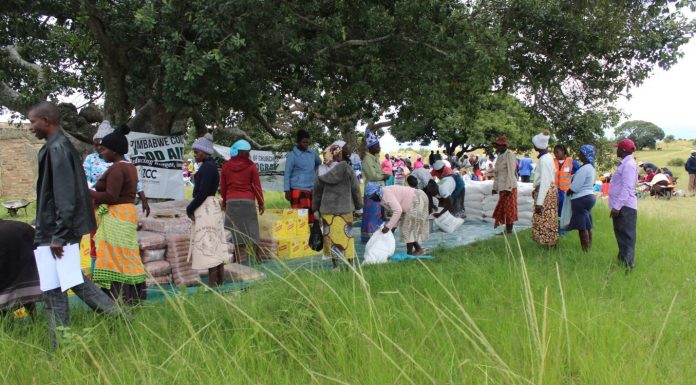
[[302, 228]]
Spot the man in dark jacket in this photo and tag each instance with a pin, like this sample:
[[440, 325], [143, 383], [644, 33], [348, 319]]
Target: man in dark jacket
[[63, 215], [690, 167]]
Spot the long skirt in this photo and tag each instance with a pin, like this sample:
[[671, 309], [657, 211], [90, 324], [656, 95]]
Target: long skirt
[[118, 266], [582, 213], [242, 220], [413, 225], [372, 218], [208, 244], [338, 236], [506, 210], [302, 199], [19, 278], [545, 225]]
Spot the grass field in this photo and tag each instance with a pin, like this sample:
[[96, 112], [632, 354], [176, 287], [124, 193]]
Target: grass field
[[494, 312]]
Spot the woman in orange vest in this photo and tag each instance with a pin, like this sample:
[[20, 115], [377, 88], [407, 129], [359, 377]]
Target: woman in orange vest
[[565, 168]]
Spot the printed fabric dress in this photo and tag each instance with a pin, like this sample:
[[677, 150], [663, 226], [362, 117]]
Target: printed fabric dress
[[545, 225], [414, 225]]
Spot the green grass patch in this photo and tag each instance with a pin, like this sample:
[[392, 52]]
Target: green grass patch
[[21, 216], [495, 312]]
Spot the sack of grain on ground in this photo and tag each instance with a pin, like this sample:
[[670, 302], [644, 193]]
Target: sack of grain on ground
[[149, 240], [152, 255], [158, 268]]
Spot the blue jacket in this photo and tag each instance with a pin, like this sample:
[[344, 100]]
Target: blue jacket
[[526, 166], [300, 169], [690, 165]]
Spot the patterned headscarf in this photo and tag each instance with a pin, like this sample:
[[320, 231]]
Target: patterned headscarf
[[588, 151], [371, 139], [373, 188], [330, 153]]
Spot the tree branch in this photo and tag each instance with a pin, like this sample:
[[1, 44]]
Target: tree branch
[[266, 126], [15, 57], [239, 133], [11, 99], [355, 42], [438, 50]]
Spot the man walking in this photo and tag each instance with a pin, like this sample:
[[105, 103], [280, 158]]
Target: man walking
[[300, 168], [690, 167], [623, 203], [63, 215], [525, 168]]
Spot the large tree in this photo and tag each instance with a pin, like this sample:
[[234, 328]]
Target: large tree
[[259, 69], [644, 134]]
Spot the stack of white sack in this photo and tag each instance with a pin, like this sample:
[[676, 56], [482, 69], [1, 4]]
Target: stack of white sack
[[525, 204], [480, 202], [474, 196]]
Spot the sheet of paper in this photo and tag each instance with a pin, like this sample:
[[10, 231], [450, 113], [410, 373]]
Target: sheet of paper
[[59, 272]]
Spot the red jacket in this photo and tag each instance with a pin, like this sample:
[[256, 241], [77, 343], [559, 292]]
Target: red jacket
[[239, 179]]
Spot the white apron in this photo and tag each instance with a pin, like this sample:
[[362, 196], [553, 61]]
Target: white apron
[[208, 242]]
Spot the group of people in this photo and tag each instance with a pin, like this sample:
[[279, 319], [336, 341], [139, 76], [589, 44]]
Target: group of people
[[554, 180], [97, 196], [656, 181]]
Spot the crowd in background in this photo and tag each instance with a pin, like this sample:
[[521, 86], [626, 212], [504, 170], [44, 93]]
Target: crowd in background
[[97, 196]]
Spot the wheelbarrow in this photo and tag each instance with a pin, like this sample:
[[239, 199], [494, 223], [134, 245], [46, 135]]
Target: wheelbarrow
[[13, 207]]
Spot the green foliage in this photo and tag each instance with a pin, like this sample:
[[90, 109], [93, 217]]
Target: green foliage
[[436, 69], [605, 155], [454, 124], [669, 139], [676, 162], [644, 134]]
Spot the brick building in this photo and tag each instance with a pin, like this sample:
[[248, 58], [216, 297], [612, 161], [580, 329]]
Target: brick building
[[18, 166]]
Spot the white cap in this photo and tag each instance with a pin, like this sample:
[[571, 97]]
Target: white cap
[[439, 165], [339, 143], [541, 141]]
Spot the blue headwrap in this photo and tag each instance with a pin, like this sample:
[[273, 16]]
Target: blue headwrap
[[373, 188], [588, 151], [371, 139], [242, 145]]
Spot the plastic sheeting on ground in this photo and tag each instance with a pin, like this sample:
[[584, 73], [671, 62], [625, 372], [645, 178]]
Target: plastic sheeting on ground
[[471, 231]]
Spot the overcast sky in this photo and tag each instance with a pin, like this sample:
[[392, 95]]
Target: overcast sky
[[668, 98]]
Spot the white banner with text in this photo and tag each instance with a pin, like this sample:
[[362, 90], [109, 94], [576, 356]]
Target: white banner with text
[[159, 161]]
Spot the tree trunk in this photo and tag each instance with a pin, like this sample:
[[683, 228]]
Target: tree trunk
[[348, 133], [117, 110]]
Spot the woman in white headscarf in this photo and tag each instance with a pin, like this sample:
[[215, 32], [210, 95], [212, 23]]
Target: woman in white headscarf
[[545, 218]]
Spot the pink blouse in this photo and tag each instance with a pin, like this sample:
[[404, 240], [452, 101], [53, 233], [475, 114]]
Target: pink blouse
[[398, 199]]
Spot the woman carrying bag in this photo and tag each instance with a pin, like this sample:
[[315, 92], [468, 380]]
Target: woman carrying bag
[[208, 244], [582, 199]]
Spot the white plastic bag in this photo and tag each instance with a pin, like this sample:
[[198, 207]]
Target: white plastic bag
[[566, 213], [448, 223], [380, 247]]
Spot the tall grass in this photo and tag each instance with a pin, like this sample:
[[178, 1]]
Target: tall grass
[[503, 311]]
